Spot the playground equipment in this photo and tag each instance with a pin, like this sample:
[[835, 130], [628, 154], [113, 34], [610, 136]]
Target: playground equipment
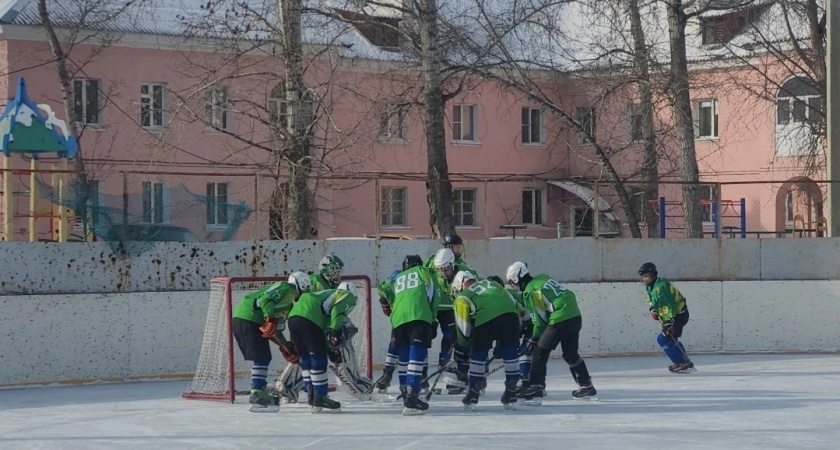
[[25, 130], [725, 210]]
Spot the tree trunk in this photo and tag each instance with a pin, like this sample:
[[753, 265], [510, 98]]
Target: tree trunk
[[296, 145], [683, 121], [438, 187], [650, 171]]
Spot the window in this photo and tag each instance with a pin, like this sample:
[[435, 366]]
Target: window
[[393, 206], [217, 203], [637, 123], [532, 206], [86, 102], [218, 108], [153, 206], [464, 207], [799, 102], [463, 123], [277, 108], [151, 105], [392, 122], [708, 194], [707, 119], [586, 118], [532, 126], [789, 211]]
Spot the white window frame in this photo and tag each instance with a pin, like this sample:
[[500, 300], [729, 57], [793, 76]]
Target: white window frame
[[157, 202], [216, 204], [587, 117], [537, 206], [702, 107], [81, 111], [218, 108], [708, 192], [529, 128], [386, 214], [393, 123], [458, 203], [464, 123], [148, 100]]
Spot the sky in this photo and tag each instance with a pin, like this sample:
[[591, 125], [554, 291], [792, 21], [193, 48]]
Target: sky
[[751, 401]]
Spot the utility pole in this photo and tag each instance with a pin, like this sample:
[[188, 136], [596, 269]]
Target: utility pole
[[833, 115]]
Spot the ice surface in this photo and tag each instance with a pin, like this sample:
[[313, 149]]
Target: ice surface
[[733, 402]]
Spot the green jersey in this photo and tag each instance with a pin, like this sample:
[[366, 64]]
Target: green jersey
[[386, 291], [327, 309], [274, 301], [319, 283], [482, 302], [665, 299], [446, 287], [549, 303], [416, 297]]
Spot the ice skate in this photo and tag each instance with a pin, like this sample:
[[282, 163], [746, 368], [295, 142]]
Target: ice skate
[[585, 393], [384, 382], [324, 404], [683, 367], [532, 395], [471, 399], [262, 401], [413, 406], [509, 397]]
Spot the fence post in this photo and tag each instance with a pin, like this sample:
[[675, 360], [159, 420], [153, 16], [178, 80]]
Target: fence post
[[256, 206], [743, 218], [125, 205], [662, 213]]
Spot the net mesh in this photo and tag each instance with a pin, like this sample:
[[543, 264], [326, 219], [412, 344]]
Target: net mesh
[[154, 212], [213, 372]]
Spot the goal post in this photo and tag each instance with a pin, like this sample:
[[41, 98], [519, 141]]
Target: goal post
[[221, 373]]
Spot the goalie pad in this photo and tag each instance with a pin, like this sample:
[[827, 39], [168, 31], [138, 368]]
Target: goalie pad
[[343, 364], [289, 383], [451, 386]]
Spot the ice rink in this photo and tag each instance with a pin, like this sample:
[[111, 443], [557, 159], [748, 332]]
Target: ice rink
[[733, 402]]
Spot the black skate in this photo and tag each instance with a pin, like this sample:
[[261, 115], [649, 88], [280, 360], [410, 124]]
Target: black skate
[[509, 397], [471, 399], [585, 393], [324, 404], [532, 394], [383, 382], [262, 401], [683, 367], [413, 406]]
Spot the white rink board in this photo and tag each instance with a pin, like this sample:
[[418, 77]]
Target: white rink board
[[113, 337]]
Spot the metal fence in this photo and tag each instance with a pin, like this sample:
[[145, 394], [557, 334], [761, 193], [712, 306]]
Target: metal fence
[[185, 206]]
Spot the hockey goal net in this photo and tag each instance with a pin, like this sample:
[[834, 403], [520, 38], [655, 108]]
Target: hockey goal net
[[222, 373]]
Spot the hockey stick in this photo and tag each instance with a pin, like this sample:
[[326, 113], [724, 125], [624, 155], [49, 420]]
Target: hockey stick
[[439, 373]]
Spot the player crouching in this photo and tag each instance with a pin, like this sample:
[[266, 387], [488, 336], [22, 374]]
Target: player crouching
[[313, 315], [485, 312]]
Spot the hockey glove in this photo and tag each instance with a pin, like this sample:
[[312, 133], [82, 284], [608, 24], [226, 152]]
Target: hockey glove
[[527, 347], [335, 337], [289, 352], [654, 316], [386, 307], [668, 330], [269, 328], [461, 354], [335, 356], [527, 329]]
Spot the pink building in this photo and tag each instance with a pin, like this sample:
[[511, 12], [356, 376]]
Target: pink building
[[168, 118]]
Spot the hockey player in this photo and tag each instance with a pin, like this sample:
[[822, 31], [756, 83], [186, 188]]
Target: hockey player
[[669, 308], [485, 313], [329, 273], [445, 269], [416, 299], [454, 243], [316, 319], [526, 326], [261, 317], [557, 320], [386, 301]]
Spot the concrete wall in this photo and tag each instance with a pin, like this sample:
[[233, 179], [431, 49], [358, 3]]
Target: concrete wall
[[78, 312]]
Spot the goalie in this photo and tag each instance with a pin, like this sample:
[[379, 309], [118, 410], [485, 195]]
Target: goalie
[[258, 318]]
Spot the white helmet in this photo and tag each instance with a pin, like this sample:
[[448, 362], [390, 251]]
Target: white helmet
[[301, 281], [515, 272], [444, 257], [349, 287], [461, 280]]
